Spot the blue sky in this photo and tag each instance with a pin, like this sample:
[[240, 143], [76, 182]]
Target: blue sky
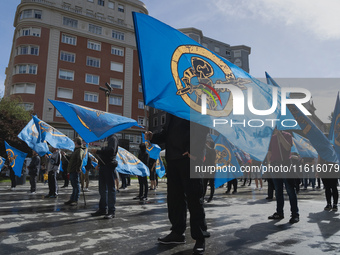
[[288, 39]]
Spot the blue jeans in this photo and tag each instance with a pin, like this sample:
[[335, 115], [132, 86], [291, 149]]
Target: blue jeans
[[107, 189], [289, 184], [74, 178]]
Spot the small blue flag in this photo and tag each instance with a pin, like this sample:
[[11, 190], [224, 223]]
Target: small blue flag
[[92, 125], [94, 161], [225, 159], [16, 158], [2, 162], [130, 164], [190, 76], [334, 133], [303, 147], [160, 169], [152, 149]]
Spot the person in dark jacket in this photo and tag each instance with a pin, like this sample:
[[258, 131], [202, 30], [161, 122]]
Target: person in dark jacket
[[107, 165], [143, 180], [33, 171], [184, 146], [74, 168]]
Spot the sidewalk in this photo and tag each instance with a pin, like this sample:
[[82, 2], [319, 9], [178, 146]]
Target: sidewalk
[[31, 224]]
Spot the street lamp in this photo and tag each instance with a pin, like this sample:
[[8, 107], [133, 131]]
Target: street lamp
[[108, 91]]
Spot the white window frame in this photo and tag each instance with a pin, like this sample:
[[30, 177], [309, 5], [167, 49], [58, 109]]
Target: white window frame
[[117, 51], [119, 98], [140, 88], [25, 69], [70, 22], [91, 95], [92, 45], [111, 5], [98, 30], [90, 79], [141, 120], [68, 74], [30, 31], [20, 49], [121, 8], [93, 62], [140, 104], [118, 35], [101, 2], [60, 92], [69, 39], [28, 88], [116, 66], [67, 56], [116, 83]]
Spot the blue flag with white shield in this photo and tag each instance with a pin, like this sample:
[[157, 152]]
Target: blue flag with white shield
[[185, 79], [16, 158], [130, 164], [152, 149], [160, 169], [91, 124], [227, 166], [303, 147], [334, 132], [2, 162]]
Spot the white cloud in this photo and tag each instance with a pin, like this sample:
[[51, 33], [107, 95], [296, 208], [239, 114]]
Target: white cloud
[[320, 18]]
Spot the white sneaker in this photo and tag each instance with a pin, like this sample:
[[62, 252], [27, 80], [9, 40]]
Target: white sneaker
[[13, 188], [260, 189]]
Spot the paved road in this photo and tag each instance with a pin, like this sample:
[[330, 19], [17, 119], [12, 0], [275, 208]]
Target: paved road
[[31, 224]]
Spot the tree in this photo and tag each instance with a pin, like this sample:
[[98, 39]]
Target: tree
[[13, 118], [330, 117]]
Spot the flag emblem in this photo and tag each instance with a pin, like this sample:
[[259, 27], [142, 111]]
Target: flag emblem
[[205, 71], [11, 157]]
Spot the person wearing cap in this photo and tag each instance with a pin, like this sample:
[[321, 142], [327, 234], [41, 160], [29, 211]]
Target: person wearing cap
[[74, 169]]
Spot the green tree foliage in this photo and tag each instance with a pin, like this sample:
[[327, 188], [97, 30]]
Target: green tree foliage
[[13, 118]]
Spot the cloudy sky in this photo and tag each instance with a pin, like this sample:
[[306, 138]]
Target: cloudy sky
[[288, 39]]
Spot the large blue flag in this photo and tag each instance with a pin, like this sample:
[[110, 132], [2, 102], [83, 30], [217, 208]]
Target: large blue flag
[[2, 162], [16, 158], [130, 164], [314, 135], [226, 160], [334, 132], [288, 115], [152, 149], [180, 76], [92, 125], [303, 147], [31, 135], [160, 169]]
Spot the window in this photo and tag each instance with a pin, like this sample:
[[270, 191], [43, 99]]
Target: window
[[91, 97], [89, 13], [65, 93], [129, 137], [117, 51], [237, 54], [30, 13], [163, 119], [141, 121], [111, 19], [95, 29], [28, 50], [120, 8], [116, 84], [155, 122], [27, 106], [30, 31], [118, 35], [100, 16], [68, 57], [23, 88], [118, 67], [70, 22], [58, 114], [115, 100], [217, 49], [140, 88], [66, 75], [25, 69], [69, 39], [101, 2], [138, 139], [90, 1], [94, 62], [140, 104], [93, 45], [155, 110], [111, 5], [92, 79], [228, 53]]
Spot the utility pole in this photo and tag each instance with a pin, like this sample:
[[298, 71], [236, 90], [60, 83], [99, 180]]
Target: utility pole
[[108, 91]]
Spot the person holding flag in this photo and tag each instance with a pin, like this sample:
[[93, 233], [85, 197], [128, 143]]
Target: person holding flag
[[74, 169], [53, 168], [33, 171]]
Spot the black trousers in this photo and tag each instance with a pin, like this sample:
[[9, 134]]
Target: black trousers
[[232, 182], [331, 190], [13, 178], [33, 182], [184, 193], [211, 185], [52, 183], [270, 188], [143, 185]]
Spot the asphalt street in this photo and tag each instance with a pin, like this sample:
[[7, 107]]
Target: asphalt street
[[238, 223]]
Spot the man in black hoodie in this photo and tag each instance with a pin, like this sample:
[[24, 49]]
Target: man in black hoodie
[[107, 165], [184, 148]]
